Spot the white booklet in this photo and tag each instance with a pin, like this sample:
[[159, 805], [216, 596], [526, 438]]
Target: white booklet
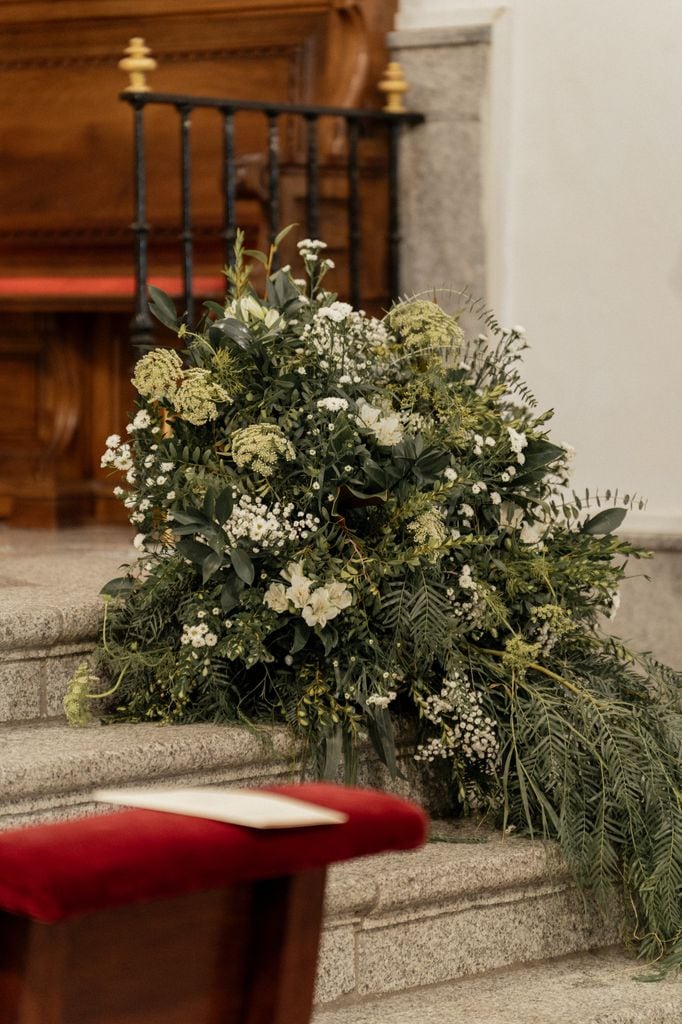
[[251, 808]]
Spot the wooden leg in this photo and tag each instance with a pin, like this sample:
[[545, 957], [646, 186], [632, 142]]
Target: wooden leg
[[244, 955]]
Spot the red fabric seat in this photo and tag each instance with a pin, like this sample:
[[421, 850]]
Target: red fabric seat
[[58, 871]]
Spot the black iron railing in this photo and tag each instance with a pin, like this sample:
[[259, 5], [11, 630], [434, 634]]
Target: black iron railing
[[354, 119]]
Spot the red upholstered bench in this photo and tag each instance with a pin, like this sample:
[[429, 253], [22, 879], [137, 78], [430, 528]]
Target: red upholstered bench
[[142, 917]]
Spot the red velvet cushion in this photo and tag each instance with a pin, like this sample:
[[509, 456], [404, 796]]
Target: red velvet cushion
[[52, 872]]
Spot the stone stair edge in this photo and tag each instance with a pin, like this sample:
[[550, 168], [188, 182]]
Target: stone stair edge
[[44, 627], [596, 987]]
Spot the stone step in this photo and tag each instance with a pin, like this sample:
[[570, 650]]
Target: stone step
[[465, 904], [48, 770], [585, 988], [50, 612]]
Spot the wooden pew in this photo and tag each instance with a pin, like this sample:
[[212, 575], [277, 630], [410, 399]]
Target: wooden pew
[[148, 918]]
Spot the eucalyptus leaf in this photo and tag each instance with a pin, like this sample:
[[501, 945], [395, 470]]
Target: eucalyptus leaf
[[606, 521], [242, 565], [119, 587], [163, 308]]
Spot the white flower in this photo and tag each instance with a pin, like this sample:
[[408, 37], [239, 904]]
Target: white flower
[[275, 597], [495, 498], [615, 605], [381, 702], [531, 533], [332, 404], [465, 510], [140, 421], [113, 441], [339, 595], [338, 311], [320, 608], [161, 480], [167, 467], [466, 580], [511, 516], [518, 441], [170, 496], [450, 474], [388, 431], [210, 639], [138, 541], [298, 591]]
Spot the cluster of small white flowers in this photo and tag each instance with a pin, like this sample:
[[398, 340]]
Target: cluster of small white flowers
[[467, 607], [385, 425], [378, 701], [457, 710], [140, 421], [260, 446], [310, 246], [196, 396], [428, 527], [332, 404], [518, 442], [117, 455], [198, 636], [466, 580], [157, 373], [345, 342], [338, 312], [317, 606], [269, 528]]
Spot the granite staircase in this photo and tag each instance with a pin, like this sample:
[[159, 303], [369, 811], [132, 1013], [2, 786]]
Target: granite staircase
[[475, 927]]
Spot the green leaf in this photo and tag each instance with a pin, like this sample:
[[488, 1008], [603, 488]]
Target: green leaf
[[229, 595], [230, 328], [256, 254], [193, 550], [380, 729], [329, 638], [301, 634], [163, 308], [604, 522], [333, 745], [279, 238], [243, 565], [214, 307], [209, 505], [119, 587], [224, 505], [210, 565]]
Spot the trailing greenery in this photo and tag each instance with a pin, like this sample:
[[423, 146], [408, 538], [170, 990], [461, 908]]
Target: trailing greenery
[[344, 521]]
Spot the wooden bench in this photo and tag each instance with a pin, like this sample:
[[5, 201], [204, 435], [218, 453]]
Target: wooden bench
[[141, 917]]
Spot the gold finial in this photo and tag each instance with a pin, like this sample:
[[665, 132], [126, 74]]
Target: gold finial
[[137, 64], [394, 84]]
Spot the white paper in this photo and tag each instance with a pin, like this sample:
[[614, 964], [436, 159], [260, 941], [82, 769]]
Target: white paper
[[237, 806]]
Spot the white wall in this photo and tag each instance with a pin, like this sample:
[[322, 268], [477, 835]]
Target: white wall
[[584, 220]]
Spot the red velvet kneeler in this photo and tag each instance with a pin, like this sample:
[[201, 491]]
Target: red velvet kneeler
[[141, 917]]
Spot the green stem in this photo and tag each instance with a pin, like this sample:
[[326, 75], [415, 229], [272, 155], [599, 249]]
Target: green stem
[[578, 691]]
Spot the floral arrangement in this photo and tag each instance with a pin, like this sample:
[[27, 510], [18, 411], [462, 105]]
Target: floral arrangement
[[345, 521]]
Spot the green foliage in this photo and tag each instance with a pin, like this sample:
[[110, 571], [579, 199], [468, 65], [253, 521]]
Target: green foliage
[[340, 529]]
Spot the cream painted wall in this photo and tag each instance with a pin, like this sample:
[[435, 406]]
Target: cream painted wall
[[583, 208]]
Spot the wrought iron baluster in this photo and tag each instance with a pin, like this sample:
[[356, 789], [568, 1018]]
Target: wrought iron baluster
[[141, 325], [312, 178], [354, 234], [187, 238], [229, 186], [273, 176], [394, 237]]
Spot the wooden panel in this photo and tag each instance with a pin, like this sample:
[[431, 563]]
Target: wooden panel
[[244, 955], [66, 195]]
